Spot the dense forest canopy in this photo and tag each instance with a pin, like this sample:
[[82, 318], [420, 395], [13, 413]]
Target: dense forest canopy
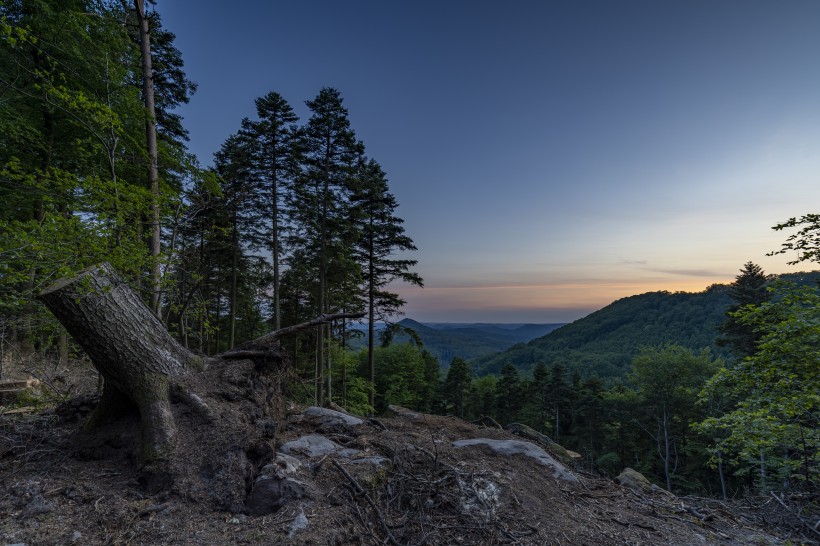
[[295, 221]]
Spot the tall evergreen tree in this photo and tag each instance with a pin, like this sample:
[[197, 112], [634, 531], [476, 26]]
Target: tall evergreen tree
[[560, 394], [508, 394], [749, 288], [276, 163], [321, 197], [380, 237], [233, 164], [456, 386]]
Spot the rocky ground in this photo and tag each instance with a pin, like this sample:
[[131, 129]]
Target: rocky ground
[[321, 477]]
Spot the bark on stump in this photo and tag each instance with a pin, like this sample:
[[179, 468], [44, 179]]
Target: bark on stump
[[139, 360], [141, 364]]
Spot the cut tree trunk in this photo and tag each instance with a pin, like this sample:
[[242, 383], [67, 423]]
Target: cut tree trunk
[[142, 365], [138, 359]]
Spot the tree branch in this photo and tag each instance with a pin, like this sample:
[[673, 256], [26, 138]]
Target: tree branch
[[254, 348]]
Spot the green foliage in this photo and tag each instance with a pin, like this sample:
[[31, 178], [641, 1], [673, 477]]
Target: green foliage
[[481, 401], [773, 421], [72, 148], [805, 243], [402, 377], [749, 288], [604, 342], [351, 391], [668, 379], [456, 387]]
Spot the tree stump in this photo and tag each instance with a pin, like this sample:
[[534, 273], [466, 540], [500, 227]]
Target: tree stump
[[138, 359], [207, 422]]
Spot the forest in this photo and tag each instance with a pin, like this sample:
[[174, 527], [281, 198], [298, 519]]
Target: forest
[[294, 221]]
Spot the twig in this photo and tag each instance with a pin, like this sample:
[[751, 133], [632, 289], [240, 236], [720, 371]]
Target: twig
[[358, 490]]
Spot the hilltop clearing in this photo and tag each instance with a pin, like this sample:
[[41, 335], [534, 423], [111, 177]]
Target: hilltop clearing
[[329, 478]]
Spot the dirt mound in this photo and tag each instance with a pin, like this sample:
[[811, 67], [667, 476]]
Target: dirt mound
[[392, 480]]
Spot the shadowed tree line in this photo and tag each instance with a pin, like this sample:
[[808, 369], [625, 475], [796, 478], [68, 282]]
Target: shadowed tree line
[[292, 222]]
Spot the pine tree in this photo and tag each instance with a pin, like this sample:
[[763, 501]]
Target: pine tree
[[276, 163], [508, 394], [320, 201], [380, 237], [233, 164], [456, 386], [749, 288]]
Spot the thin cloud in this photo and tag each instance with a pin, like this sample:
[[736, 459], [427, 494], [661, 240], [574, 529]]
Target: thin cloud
[[691, 272]]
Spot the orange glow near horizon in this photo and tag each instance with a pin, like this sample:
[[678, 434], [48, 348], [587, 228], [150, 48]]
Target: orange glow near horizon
[[569, 300]]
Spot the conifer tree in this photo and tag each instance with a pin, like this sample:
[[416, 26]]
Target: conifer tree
[[456, 386], [380, 237], [508, 394], [321, 197], [233, 164], [276, 164], [749, 288]]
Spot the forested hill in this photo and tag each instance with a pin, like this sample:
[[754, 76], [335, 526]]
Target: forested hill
[[604, 342], [471, 340]]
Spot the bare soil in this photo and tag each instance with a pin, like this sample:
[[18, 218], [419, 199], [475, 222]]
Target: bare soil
[[61, 486]]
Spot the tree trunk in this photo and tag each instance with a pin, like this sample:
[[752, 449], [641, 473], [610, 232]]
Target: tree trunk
[[143, 365], [129, 346], [666, 450], [151, 143], [722, 476]]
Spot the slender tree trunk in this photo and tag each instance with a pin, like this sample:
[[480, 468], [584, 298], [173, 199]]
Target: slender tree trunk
[[722, 476], [371, 324], [218, 330], [320, 348], [667, 450], [234, 278], [277, 311], [151, 143]]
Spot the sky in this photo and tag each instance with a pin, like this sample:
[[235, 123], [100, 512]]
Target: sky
[[548, 157]]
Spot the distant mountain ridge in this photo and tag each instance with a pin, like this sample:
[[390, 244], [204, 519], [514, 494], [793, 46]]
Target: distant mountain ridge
[[468, 341], [604, 342]]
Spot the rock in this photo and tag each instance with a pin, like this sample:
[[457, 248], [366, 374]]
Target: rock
[[299, 523], [635, 480], [405, 413], [564, 455], [282, 466], [331, 418], [517, 447], [270, 494], [312, 445], [315, 445], [375, 460]]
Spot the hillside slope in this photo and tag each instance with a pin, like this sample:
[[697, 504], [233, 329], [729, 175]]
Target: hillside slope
[[604, 342]]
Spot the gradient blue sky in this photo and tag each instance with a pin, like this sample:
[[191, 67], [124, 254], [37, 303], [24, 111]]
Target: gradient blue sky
[[548, 157]]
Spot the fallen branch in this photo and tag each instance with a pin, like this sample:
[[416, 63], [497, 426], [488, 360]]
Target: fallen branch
[[269, 338]]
